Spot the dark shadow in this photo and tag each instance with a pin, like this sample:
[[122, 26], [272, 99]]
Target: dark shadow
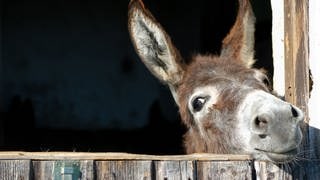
[[160, 136], [19, 125], [82, 31]]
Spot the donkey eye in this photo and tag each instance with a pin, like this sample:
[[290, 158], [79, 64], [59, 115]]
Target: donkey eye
[[197, 103]]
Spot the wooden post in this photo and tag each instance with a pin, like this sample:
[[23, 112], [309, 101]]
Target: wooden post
[[296, 53], [296, 56]]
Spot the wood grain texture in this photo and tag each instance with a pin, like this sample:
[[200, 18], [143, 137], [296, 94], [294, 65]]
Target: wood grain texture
[[116, 156], [15, 170], [212, 170], [296, 53], [48, 169], [43, 169], [87, 169], [124, 170], [175, 170], [270, 171]]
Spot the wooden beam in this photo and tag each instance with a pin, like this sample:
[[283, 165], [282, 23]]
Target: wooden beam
[[296, 53], [117, 156]]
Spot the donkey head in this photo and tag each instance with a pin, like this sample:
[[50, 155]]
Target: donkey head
[[225, 104]]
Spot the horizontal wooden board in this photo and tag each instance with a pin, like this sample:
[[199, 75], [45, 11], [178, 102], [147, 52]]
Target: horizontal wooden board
[[117, 156], [53, 165]]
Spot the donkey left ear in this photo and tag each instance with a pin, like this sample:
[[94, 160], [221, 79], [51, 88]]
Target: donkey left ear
[[154, 45], [239, 43]]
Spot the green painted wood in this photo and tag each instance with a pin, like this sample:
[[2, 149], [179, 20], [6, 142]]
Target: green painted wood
[[63, 169]]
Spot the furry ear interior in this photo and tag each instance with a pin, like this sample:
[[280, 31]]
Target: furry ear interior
[[239, 43], [153, 45]]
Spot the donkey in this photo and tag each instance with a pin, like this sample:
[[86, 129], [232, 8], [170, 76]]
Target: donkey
[[225, 104]]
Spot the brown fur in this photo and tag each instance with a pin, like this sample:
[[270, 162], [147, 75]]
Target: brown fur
[[228, 73], [229, 77]]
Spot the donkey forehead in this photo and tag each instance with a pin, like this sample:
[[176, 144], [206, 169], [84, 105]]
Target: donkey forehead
[[229, 79], [206, 70]]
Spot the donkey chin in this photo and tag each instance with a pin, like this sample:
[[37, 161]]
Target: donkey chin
[[273, 131]]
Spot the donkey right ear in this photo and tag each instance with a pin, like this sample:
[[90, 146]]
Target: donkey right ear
[[153, 45]]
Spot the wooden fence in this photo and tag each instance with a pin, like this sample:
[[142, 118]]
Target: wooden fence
[[296, 48], [122, 166]]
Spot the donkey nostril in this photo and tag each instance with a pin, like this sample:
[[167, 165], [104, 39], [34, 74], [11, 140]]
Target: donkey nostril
[[260, 122], [262, 136], [294, 112]]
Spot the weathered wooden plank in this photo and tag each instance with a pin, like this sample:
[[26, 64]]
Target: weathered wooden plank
[[43, 169], [124, 170], [212, 170], [175, 170], [296, 53], [15, 169], [50, 170], [116, 156], [270, 171], [87, 169]]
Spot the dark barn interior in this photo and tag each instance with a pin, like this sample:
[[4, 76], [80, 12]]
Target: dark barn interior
[[71, 81]]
